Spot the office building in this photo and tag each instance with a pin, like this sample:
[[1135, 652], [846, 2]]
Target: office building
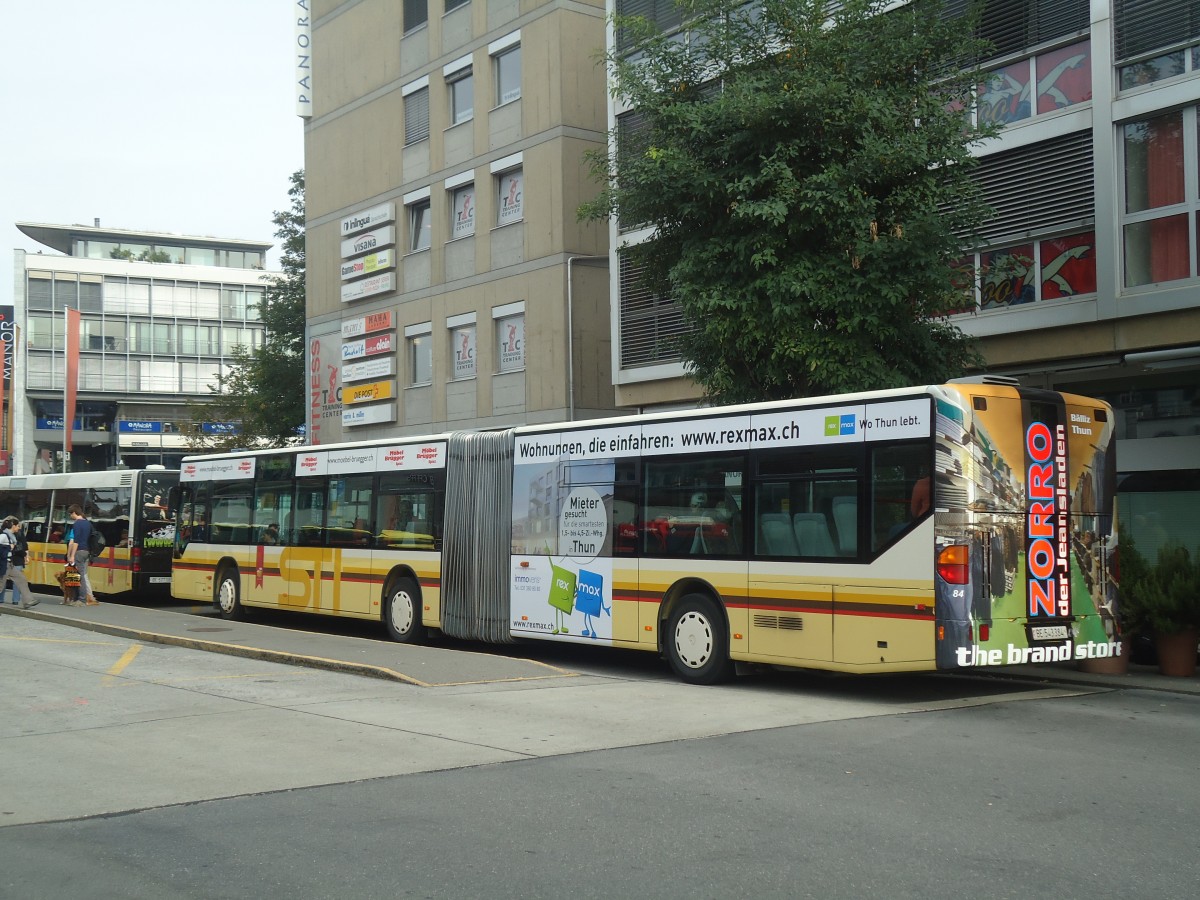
[[450, 284], [1089, 279], [161, 315]]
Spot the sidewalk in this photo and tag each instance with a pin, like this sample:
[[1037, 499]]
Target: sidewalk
[[425, 666]]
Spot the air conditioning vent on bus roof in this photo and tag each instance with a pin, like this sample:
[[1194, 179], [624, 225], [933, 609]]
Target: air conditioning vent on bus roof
[[987, 379]]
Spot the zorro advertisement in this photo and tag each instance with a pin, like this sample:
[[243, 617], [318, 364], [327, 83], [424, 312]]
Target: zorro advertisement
[[1026, 481]]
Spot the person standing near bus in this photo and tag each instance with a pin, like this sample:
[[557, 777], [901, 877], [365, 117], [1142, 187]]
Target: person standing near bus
[[77, 551], [13, 550]]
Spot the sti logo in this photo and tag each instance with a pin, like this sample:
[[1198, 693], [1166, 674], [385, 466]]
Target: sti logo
[[839, 425]]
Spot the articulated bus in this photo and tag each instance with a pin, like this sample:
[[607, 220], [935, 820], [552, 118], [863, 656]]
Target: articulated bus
[[941, 527], [130, 507]]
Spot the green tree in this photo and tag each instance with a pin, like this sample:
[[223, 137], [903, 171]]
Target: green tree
[[806, 169], [263, 393]]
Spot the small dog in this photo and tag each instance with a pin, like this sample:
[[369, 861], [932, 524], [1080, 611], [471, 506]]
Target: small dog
[[70, 591]]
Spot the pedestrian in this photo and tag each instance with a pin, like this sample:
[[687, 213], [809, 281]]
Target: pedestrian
[[14, 551], [77, 551]]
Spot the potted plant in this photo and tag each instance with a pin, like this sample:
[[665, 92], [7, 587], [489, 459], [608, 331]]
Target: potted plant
[[1164, 600]]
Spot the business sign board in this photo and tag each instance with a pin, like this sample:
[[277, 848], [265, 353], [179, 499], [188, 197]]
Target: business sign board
[[368, 218], [380, 321], [368, 242], [369, 415], [132, 426], [365, 265], [372, 368], [368, 393], [369, 287]]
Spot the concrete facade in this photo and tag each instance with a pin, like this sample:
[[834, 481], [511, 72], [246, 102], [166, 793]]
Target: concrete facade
[[501, 318]]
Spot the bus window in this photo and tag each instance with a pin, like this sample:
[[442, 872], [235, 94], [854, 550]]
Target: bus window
[[60, 522], [795, 518], [693, 506], [308, 514], [349, 511], [408, 520], [194, 516], [272, 500], [109, 512], [900, 490], [37, 509], [232, 504], [806, 503]]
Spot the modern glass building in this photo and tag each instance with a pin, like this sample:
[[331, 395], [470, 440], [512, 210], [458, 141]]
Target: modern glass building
[[161, 315]]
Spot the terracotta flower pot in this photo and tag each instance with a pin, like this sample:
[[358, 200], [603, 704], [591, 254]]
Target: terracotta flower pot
[[1109, 665], [1177, 653]]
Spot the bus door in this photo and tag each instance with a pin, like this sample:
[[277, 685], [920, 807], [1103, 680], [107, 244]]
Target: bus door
[[345, 577], [153, 537], [304, 554]]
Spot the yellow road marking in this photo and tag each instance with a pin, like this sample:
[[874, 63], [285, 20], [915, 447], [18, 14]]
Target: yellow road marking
[[10, 637], [119, 666]]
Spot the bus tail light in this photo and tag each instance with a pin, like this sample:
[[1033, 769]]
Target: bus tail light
[[984, 631], [135, 559], [954, 564]]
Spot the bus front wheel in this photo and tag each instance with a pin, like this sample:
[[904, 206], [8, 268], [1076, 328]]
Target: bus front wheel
[[228, 599], [697, 642], [402, 611]]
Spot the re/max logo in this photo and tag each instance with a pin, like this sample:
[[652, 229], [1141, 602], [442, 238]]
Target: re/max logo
[[839, 425]]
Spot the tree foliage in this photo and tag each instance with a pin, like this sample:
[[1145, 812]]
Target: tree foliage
[[263, 392], [806, 169]]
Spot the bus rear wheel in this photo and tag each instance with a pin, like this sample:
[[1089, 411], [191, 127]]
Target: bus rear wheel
[[697, 643], [402, 611], [228, 595]]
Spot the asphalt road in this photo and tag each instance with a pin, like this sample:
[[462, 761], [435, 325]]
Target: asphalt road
[[140, 770]]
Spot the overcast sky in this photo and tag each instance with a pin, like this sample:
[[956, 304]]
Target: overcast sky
[[163, 115]]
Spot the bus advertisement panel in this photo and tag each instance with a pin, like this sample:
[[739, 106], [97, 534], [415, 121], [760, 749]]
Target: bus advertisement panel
[[1026, 482], [565, 487]]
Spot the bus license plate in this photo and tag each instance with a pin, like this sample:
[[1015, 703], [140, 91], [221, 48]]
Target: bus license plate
[[1048, 632], [160, 579]]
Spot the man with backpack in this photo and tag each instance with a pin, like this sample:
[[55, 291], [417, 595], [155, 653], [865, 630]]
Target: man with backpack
[[79, 550], [13, 551]]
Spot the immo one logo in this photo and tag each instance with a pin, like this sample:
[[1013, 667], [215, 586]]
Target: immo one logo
[[839, 425]]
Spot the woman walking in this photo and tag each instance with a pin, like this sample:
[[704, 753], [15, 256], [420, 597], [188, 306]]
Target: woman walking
[[13, 550]]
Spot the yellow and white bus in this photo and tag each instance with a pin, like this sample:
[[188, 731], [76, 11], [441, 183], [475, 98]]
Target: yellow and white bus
[[938, 527], [130, 507]]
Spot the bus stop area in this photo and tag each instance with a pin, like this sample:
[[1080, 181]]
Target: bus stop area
[[450, 663], [422, 666]]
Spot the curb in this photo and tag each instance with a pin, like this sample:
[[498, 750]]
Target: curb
[[247, 652], [1148, 681]]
